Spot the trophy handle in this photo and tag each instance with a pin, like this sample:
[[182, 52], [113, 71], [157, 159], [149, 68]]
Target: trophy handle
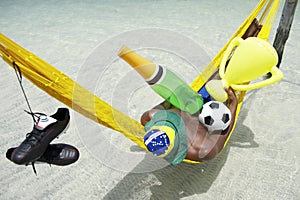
[[277, 75], [235, 42]]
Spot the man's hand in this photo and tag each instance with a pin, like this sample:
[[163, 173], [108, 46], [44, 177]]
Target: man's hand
[[232, 101], [214, 143]]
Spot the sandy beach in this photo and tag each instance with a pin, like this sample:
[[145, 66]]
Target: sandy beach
[[82, 39]]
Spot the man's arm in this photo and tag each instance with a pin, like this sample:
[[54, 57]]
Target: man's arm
[[214, 143], [147, 116]]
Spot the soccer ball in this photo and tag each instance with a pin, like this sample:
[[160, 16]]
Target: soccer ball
[[215, 116]]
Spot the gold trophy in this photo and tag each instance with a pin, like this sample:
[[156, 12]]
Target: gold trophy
[[251, 59]]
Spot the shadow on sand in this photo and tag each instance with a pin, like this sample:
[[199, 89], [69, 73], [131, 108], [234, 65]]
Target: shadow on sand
[[183, 180]]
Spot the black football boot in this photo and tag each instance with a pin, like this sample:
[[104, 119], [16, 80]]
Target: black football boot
[[46, 129]]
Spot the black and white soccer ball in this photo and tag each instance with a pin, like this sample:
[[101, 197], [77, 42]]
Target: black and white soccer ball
[[215, 116]]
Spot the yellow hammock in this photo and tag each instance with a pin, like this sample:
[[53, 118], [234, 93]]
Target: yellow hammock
[[61, 87]]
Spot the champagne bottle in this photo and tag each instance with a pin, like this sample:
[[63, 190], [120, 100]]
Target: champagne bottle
[[164, 82]]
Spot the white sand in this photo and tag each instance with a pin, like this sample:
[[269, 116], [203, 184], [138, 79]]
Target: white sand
[[261, 160]]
